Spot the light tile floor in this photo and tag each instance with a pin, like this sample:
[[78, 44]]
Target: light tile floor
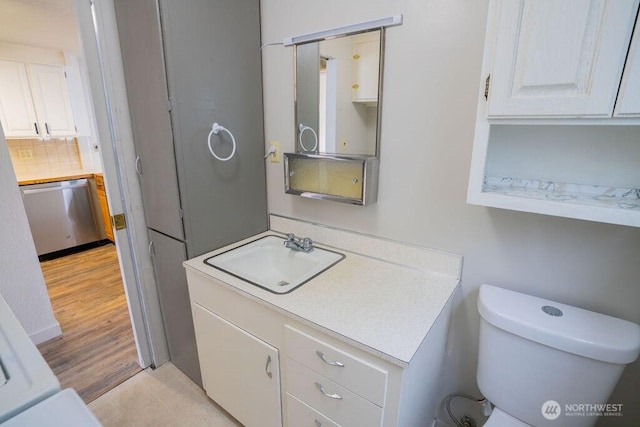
[[160, 397]]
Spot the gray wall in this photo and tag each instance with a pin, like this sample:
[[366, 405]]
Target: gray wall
[[431, 84]]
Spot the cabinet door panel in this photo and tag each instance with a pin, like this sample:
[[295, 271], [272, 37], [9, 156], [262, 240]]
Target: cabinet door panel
[[17, 113], [559, 58], [144, 72], [239, 371], [173, 292], [628, 103], [52, 100]]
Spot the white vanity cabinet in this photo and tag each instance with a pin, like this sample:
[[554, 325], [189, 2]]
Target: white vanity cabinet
[[237, 343], [239, 371], [559, 58], [267, 367], [333, 382]]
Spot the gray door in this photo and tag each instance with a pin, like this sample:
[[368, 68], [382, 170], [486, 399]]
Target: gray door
[[171, 280], [141, 45], [212, 52]]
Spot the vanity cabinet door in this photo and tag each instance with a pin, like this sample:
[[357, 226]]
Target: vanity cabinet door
[[17, 113], [240, 372], [559, 58]]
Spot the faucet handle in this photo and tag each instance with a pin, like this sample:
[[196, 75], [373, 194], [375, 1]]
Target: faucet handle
[[291, 237], [307, 243]]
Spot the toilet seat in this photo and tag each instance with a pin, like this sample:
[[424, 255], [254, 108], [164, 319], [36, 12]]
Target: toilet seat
[[499, 418]]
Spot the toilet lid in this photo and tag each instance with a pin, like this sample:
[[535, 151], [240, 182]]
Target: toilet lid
[[499, 418]]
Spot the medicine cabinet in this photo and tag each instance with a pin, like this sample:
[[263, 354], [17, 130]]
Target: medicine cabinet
[[338, 96]]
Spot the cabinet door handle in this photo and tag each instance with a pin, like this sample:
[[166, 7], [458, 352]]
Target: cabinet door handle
[[152, 252], [46, 126], [332, 396], [267, 367], [35, 125], [138, 166], [329, 362]]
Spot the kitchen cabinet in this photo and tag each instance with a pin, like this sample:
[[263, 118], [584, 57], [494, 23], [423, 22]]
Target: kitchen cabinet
[[34, 101], [17, 112], [51, 99], [239, 371], [557, 118], [366, 64], [104, 207], [559, 58]]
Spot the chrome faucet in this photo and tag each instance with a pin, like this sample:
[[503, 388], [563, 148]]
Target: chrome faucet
[[298, 244]]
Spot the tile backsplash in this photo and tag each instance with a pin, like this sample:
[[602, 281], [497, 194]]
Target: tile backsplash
[[40, 156]]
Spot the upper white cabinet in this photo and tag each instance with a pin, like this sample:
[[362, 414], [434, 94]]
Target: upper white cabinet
[[34, 101], [51, 98], [559, 58], [558, 123], [17, 113]]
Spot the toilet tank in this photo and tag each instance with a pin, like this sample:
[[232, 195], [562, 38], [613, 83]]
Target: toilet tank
[[533, 350]]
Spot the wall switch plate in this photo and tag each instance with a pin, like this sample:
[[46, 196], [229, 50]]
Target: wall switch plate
[[275, 157]]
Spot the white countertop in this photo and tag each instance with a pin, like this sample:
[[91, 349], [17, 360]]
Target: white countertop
[[382, 307]]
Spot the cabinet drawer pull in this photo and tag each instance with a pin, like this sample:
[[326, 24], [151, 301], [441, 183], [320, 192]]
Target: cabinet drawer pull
[[328, 362], [267, 367], [332, 396]]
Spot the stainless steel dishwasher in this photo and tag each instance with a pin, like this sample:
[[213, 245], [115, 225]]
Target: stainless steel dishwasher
[[60, 214]]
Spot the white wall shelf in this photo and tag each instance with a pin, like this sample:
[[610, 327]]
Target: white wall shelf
[[563, 163]]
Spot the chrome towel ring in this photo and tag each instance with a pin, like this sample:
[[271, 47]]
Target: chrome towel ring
[[302, 129], [215, 129]]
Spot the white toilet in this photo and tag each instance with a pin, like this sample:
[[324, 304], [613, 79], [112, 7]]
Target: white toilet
[[539, 360]]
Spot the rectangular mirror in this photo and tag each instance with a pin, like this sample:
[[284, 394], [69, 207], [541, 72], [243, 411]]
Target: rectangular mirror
[[338, 83]]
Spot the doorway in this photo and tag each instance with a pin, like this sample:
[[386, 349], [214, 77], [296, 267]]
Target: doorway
[[86, 289]]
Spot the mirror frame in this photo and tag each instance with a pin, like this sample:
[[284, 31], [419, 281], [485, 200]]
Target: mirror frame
[[381, 60]]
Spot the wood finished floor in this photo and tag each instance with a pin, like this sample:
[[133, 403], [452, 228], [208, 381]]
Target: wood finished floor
[[96, 351]]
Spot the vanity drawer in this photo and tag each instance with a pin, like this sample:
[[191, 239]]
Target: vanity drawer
[[356, 375], [345, 408], [300, 414]]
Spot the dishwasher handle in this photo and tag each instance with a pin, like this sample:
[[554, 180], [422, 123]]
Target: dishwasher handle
[[55, 187]]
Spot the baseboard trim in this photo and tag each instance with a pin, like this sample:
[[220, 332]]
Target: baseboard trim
[[46, 334]]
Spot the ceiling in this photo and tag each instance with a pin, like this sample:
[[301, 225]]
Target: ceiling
[[41, 23]]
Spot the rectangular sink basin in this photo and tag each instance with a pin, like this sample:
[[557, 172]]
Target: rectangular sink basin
[[268, 264]]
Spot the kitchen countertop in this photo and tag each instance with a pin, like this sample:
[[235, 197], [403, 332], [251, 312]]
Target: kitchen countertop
[[45, 177], [385, 306]]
